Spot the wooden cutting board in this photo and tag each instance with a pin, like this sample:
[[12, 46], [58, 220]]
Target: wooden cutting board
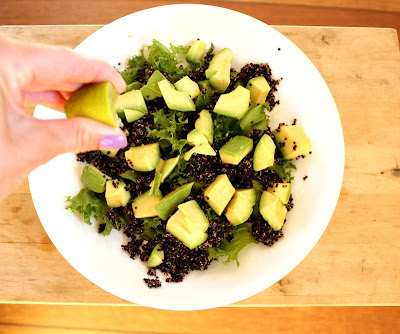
[[357, 260]]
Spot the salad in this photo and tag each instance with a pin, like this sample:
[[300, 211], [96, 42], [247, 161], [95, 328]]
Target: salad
[[203, 174]]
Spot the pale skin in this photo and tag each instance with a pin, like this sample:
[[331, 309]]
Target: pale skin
[[33, 74]]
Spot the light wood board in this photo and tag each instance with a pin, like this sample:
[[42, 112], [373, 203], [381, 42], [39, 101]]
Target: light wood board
[[357, 259]]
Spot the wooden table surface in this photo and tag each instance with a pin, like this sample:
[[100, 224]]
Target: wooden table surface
[[357, 260]]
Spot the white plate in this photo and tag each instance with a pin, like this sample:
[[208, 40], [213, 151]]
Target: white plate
[[303, 94]]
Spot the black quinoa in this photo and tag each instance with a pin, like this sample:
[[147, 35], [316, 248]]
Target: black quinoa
[[263, 233], [152, 282], [217, 231]]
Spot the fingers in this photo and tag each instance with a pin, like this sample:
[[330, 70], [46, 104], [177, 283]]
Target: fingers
[[59, 68], [51, 99]]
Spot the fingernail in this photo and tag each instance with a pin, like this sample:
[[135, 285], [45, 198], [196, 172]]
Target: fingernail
[[113, 141]]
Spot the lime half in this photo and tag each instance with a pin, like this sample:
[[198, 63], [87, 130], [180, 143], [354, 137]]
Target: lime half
[[96, 101]]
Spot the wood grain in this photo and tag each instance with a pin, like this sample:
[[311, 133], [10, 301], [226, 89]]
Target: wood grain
[[359, 13], [57, 319], [357, 259]]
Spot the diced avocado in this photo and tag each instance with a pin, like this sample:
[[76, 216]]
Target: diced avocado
[[234, 104], [205, 84], [264, 154], [178, 226], [219, 193], [235, 150], [219, 70], [198, 220], [239, 210], [205, 124], [252, 117], [129, 175], [116, 194], [170, 202], [259, 89], [93, 179], [132, 86], [151, 90], [111, 152], [132, 115], [175, 99], [168, 167], [272, 210], [189, 86], [248, 194], [196, 137], [156, 257], [292, 141], [143, 158], [160, 165], [120, 113], [143, 206], [189, 224], [258, 189], [203, 149], [263, 125], [132, 100], [196, 53], [282, 190]]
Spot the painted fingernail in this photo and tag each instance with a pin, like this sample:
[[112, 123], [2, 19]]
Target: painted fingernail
[[112, 141]]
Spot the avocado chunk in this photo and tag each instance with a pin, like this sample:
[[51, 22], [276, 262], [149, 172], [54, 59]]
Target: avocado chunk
[[196, 53], [263, 125], [258, 190], [205, 84], [236, 149], [248, 194], [156, 257], [132, 115], [132, 100], [170, 202], [189, 224], [203, 149], [133, 85], [252, 117], [151, 90], [129, 175], [240, 207], [168, 167], [175, 99], [189, 86], [264, 154], [116, 193], [234, 104], [196, 137], [111, 152], [219, 193], [93, 179], [259, 89], [205, 124], [143, 206], [143, 158], [272, 210], [292, 141], [219, 70], [282, 190]]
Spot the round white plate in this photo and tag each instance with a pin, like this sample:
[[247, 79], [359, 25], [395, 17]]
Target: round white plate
[[303, 94]]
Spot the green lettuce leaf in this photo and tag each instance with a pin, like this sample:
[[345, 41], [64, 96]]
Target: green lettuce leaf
[[87, 205], [151, 228], [165, 60], [168, 130], [283, 168], [180, 49], [242, 236], [135, 64], [225, 127]]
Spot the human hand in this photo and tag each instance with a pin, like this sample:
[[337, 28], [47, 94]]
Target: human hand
[[31, 74]]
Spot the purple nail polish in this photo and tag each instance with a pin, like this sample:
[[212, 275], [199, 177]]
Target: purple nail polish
[[113, 141]]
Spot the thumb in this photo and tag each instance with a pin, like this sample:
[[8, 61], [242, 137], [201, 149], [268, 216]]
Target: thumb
[[77, 134]]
